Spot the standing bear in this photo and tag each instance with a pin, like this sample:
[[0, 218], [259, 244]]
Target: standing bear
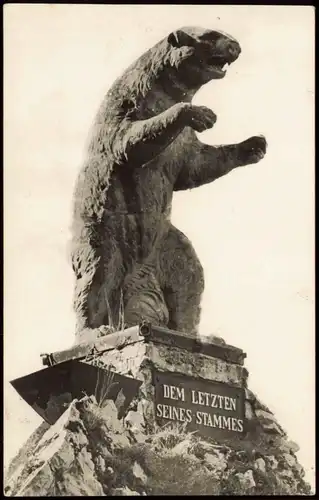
[[128, 258]]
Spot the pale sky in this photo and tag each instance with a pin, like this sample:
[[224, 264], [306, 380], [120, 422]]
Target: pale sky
[[253, 229]]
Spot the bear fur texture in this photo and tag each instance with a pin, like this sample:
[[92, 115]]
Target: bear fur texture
[[126, 254]]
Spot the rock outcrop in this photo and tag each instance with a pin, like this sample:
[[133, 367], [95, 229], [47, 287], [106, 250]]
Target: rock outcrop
[[89, 452], [97, 448]]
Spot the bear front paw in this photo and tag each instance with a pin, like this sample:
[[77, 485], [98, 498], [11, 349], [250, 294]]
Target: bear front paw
[[252, 150], [200, 118]]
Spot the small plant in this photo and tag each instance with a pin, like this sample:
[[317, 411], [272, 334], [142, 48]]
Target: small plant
[[104, 383], [95, 405], [105, 387], [120, 323], [165, 438], [94, 418]]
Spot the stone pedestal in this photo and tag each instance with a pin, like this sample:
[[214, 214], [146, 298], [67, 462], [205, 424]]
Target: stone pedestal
[[194, 374], [212, 373]]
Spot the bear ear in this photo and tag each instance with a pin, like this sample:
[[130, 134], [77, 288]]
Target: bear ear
[[127, 108], [179, 38]]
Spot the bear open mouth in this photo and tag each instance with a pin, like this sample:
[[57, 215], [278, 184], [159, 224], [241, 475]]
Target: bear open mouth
[[218, 63]]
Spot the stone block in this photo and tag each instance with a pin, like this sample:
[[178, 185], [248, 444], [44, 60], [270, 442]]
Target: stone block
[[289, 459], [124, 492], [272, 462], [249, 412], [139, 473], [246, 479], [260, 465], [216, 461]]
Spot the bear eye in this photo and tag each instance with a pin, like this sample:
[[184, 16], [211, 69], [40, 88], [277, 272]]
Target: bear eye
[[211, 36]]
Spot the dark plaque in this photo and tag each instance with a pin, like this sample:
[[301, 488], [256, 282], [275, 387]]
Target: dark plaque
[[51, 390], [211, 408]]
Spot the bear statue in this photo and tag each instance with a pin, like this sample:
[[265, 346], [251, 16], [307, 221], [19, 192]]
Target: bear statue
[[130, 262]]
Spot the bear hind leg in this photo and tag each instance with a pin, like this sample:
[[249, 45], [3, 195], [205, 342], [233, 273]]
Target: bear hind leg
[[182, 281], [96, 294]]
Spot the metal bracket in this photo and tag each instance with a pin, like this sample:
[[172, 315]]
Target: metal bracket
[[47, 359], [145, 329]]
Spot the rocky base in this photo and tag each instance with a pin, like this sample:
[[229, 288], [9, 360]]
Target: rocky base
[[90, 452], [141, 359]]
